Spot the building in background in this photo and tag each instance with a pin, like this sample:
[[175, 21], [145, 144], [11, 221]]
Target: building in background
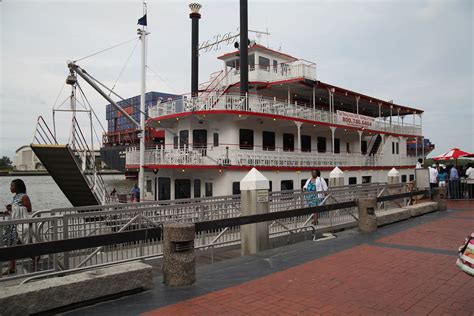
[[26, 160], [121, 133]]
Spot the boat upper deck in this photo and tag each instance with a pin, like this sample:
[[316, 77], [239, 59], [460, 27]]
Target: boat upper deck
[[235, 104]]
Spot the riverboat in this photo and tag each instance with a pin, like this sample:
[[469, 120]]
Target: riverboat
[[289, 123]]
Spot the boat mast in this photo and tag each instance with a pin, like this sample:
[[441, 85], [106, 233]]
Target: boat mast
[[141, 173]]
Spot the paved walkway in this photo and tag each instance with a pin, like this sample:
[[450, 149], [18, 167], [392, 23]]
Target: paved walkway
[[404, 268]]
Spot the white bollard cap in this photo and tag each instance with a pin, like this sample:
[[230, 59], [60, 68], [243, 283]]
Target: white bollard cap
[[336, 173], [393, 173], [254, 180]]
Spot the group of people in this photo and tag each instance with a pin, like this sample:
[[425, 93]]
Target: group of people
[[451, 176]]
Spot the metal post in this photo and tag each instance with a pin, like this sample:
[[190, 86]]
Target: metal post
[[73, 108], [333, 130], [194, 16], [141, 173], [244, 67], [422, 138], [298, 126], [357, 103]]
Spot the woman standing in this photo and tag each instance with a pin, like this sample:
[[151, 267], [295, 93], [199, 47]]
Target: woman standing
[[315, 184], [21, 203]]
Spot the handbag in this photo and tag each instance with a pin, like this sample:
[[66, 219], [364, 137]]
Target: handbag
[[466, 256]]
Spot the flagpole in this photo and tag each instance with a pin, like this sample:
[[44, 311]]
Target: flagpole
[[141, 173]]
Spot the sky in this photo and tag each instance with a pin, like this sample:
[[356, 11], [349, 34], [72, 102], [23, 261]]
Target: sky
[[418, 53]]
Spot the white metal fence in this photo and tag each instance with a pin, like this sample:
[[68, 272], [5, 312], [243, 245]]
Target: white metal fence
[[66, 223], [218, 156]]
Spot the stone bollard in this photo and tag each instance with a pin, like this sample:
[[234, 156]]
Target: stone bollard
[[179, 261], [336, 178], [254, 200], [439, 196], [367, 217]]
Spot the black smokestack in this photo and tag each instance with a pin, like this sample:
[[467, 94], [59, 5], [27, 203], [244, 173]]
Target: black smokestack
[[244, 56], [195, 16]]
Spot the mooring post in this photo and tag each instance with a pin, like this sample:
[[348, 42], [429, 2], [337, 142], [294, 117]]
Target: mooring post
[[179, 260], [254, 200], [367, 217], [439, 196]]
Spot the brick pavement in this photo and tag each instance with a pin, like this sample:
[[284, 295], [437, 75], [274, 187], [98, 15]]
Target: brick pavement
[[364, 280]]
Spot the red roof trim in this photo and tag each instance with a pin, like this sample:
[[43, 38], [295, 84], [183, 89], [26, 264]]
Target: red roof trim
[[267, 168], [273, 116], [259, 47]]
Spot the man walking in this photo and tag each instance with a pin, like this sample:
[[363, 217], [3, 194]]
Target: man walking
[[454, 190]]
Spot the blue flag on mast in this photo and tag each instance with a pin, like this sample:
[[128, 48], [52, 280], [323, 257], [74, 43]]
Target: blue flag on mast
[[142, 20]]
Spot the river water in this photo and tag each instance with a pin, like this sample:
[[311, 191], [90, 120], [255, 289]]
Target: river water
[[45, 194]]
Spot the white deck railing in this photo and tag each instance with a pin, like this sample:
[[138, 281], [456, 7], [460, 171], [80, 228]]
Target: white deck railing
[[219, 156], [259, 104], [296, 69]]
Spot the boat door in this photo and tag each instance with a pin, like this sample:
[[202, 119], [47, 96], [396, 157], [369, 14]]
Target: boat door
[[200, 140]]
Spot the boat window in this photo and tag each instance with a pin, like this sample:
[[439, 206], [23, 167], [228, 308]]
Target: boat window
[[404, 178], [305, 143], [184, 139], [268, 140], [235, 187], [337, 145], [366, 179], [270, 186], [393, 148], [216, 139], [197, 188], [263, 63], [397, 148], [363, 148], [275, 65], [412, 177], [303, 182], [199, 138], [252, 62], [321, 144], [352, 180], [288, 142], [286, 185], [246, 139], [348, 148], [234, 63], [208, 189], [175, 142], [182, 189], [164, 189]]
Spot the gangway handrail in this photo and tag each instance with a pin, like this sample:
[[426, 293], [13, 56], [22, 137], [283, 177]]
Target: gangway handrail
[[79, 144], [40, 122]]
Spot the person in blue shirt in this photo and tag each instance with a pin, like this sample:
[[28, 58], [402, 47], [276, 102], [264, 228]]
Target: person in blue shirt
[[135, 193], [442, 176], [454, 185]]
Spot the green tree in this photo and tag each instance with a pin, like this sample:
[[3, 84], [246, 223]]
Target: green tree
[[5, 162]]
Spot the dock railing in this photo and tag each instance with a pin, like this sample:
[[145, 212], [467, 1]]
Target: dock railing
[[78, 224]]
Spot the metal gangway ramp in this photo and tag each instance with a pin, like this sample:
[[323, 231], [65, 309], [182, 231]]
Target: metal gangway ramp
[[71, 165]]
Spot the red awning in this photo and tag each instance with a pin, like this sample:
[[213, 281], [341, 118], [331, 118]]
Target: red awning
[[454, 153]]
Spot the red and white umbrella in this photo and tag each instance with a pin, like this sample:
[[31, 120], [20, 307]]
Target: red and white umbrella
[[454, 153]]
